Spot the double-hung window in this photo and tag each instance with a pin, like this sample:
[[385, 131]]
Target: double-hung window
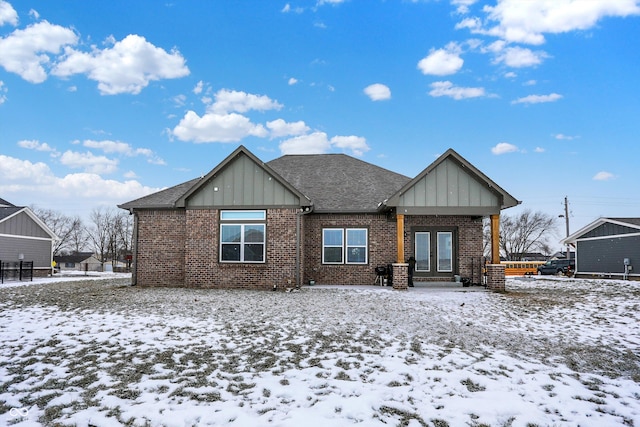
[[242, 236], [344, 246]]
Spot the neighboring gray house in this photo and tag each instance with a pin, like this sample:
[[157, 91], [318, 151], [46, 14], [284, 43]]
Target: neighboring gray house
[[603, 246], [24, 237], [80, 261]]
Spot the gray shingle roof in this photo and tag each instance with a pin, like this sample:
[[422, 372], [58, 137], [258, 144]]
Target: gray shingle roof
[[634, 221], [6, 212], [337, 182], [5, 204], [162, 199]]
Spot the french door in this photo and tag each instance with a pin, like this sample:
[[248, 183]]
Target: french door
[[434, 251]]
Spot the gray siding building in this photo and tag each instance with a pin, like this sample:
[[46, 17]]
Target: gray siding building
[[24, 237], [605, 246]]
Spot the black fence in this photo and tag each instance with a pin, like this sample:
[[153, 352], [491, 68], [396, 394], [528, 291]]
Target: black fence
[[478, 271], [16, 270]]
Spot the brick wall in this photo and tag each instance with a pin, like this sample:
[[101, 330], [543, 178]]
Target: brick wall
[[180, 248], [468, 229], [160, 248], [382, 245], [382, 248], [203, 268]]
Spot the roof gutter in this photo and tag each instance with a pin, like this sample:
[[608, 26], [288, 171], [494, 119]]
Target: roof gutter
[[303, 211]]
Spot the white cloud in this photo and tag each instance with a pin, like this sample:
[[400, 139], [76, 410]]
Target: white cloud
[[198, 88], [227, 101], [331, 2], [518, 57], [503, 148], [123, 148], [356, 144], [319, 143], [287, 9], [314, 143], [126, 67], [221, 123], [76, 192], [292, 81], [537, 99], [25, 52], [565, 137], [527, 21], [539, 150], [279, 128], [446, 88], [603, 176], [441, 62], [8, 14], [462, 5], [3, 93], [35, 145], [130, 175], [378, 92], [213, 127], [14, 171], [88, 162]]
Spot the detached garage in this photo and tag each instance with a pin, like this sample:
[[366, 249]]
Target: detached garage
[[608, 247]]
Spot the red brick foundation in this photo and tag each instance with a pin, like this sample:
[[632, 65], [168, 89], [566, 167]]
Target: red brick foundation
[[495, 277], [400, 276]]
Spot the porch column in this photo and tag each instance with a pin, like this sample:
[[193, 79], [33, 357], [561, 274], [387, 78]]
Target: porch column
[[400, 237], [495, 270], [495, 239]]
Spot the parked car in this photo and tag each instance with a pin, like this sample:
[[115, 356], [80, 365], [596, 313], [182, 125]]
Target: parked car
[[557, 266]]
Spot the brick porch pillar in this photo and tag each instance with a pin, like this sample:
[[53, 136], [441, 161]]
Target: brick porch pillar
[[495, 277], [400, 276]]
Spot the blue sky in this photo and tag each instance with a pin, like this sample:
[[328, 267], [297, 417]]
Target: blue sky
[[104, 102]]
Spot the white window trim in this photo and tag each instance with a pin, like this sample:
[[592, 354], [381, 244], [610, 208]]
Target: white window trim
[[365, 246], [344, 247], [243, 223], [341, 246]]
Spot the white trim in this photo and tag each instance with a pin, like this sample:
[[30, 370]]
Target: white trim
[[16, 236], [595, 224], [610, 236], [35, 218]]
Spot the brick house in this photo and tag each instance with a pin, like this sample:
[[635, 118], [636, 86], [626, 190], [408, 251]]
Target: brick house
[[330, 218]]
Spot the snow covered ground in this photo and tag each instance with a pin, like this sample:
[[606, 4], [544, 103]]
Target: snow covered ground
[[548, 352]]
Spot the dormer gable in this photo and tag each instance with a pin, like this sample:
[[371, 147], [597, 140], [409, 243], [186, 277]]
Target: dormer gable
[[240, 181]]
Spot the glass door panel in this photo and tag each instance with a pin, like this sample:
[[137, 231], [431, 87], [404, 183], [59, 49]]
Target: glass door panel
[[423, 251], [445, 251]]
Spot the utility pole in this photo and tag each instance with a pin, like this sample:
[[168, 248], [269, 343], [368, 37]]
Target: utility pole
[[566, 220]]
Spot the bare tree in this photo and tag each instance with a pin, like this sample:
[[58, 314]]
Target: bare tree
[[123, 229], [525, 233], [65, 227], [79, 238], [100, 232]]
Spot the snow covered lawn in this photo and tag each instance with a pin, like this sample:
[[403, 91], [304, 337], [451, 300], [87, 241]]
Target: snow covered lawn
[[546, 352]]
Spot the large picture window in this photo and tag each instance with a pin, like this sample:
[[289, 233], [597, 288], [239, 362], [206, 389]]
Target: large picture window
[[344, 246], [242, 236]]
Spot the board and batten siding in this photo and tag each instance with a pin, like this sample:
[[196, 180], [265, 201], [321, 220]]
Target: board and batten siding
[[449, 185], [22, 225], [36, 250], [606, 255], [242, 183]]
